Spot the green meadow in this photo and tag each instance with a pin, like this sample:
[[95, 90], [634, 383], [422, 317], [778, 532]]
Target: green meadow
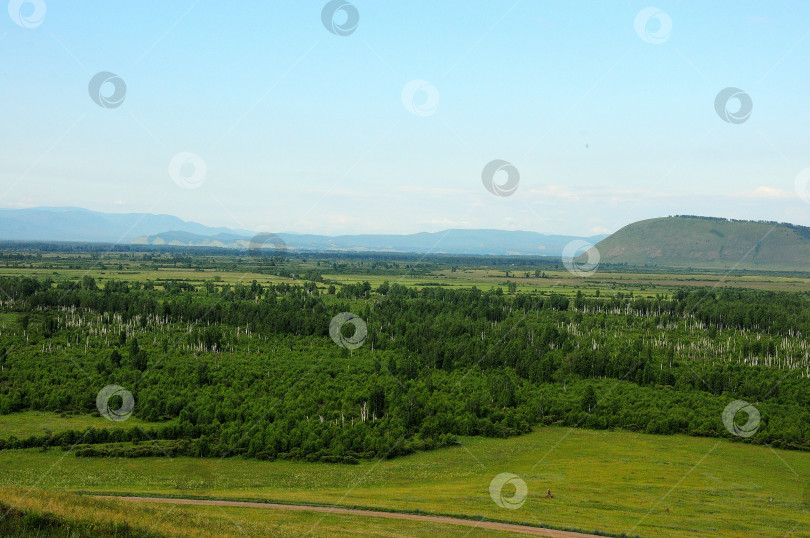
[[79, 516], [28, 423], [614, 482]]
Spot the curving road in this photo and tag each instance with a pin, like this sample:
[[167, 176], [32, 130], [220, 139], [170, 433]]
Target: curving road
[[511, 527]]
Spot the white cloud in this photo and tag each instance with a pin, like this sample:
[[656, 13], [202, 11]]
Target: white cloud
[[766, 192]]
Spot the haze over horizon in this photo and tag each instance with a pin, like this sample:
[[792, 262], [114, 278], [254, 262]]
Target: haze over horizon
[[229, 229], [387, 129]]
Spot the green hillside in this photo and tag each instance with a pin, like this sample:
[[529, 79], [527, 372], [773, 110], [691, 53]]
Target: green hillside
[[688, 241]]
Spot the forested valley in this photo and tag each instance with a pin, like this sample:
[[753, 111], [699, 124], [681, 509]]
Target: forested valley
[[250, 369]]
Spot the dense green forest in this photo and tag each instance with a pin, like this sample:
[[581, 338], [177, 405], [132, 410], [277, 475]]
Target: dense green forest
[[250, 369]]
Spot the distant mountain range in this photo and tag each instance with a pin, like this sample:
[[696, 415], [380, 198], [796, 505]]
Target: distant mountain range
[[76, 224], [709, 242], [681, 241], [82, 225], [494, 242]]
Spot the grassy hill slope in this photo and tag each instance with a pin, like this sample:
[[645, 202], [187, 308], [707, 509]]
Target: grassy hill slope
[[686, 241], [614, 481]]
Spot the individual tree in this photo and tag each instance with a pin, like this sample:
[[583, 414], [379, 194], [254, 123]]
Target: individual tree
[[589, 399], [376, 401]]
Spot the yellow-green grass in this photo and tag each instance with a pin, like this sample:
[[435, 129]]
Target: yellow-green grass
[[186, 520], [563, 285], [559, 281], [652, 282], [566, 283], [28, 423], [139, 275], [608, 481]]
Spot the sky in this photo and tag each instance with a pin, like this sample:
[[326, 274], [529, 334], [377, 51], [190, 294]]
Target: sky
[[381, 117]]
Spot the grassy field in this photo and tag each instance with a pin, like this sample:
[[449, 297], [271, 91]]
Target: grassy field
[[607, 280], [25, 424], [154, 519], [611, 481]]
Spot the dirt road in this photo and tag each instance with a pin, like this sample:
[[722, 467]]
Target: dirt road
[[523, 529]]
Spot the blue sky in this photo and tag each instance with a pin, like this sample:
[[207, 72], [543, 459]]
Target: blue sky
[[300, 129]]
